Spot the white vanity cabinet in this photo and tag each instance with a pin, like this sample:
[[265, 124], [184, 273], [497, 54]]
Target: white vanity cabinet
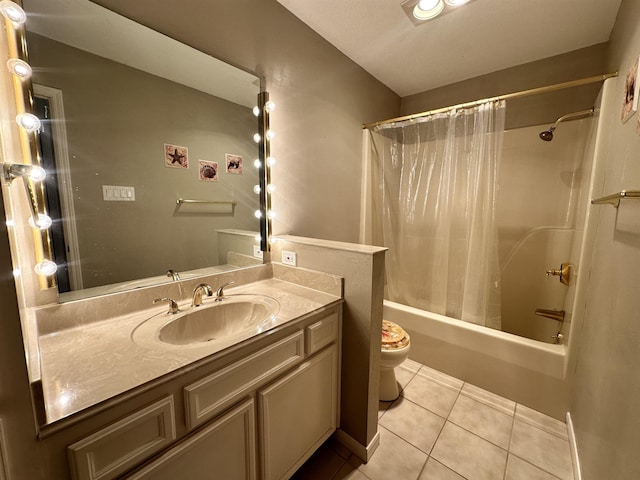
[[297, 414], [225, 448], [259, 415]]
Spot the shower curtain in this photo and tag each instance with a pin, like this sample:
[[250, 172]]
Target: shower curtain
[[433, 201]]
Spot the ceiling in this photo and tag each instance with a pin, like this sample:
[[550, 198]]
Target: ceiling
[[480, 37]]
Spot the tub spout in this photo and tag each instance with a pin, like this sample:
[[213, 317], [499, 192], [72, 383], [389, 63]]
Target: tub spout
[[552, 314]]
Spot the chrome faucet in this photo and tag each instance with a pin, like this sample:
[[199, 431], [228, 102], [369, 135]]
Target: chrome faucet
[[197, 294], [220, 292]]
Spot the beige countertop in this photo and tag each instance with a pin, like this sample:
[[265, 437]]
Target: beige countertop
[[85, 365]]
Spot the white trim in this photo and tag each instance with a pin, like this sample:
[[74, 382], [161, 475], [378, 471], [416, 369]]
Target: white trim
[[575, 459], [359, 450], [61, 148]]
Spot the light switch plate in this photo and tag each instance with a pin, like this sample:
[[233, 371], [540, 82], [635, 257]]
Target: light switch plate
[[117, 193], [289, 258]]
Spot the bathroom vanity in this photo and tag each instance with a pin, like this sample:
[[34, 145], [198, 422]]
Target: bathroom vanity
[[253, 405]]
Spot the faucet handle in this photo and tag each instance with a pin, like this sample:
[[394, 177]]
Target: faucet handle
[[220, 291], [173, 306]]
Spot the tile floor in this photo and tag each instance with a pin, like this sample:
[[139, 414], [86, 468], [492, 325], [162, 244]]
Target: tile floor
[[444, 429]]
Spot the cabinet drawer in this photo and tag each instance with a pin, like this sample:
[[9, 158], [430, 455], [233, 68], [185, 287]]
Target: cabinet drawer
[[212, 394], [109, 452], [322, 333]]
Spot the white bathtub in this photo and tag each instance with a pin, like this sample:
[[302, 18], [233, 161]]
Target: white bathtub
[[526, 371]]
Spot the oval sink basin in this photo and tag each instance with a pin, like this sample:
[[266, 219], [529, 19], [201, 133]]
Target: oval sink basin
[[220, 320]]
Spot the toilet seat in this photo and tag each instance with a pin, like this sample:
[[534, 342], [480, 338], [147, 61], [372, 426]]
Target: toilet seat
[[393, 336]]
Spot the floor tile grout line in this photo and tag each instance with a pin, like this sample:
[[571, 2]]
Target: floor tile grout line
[[512, 414], [344, 462], [513, 422], [487, 405], [536, 466]]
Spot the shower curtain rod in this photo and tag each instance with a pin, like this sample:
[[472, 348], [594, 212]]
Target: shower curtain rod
[[475, 103]]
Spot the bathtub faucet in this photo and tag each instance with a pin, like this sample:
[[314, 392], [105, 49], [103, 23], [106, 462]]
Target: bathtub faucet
[[552, 314]]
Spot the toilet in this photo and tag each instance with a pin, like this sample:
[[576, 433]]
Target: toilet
[[395, 349]]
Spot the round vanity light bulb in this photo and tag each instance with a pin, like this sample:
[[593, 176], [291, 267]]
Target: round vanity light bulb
[[37, 173], [271, 188], [19, 68], [45, 268], [10, 223], [16, 272], [257, 189], [270, 134], [258, 214], [28, 121], [43, 222], [257, 163], [269, 106], [256, 111], [13, 12], [257, 137], [455, 3], [271, 161], [428, 9]]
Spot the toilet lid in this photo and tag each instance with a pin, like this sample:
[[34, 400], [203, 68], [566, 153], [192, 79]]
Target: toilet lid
[[393, 336]]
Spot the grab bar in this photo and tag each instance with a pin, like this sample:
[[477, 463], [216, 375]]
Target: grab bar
[[233, 203], [614, 198]]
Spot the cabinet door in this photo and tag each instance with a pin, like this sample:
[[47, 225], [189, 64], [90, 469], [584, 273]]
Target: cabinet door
[[297, 414], [224, 449]]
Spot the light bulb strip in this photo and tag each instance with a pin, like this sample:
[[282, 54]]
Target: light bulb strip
[[264, 170], [23, 95]]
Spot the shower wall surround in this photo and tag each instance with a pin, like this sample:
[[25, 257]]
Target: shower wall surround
[[541, 211]]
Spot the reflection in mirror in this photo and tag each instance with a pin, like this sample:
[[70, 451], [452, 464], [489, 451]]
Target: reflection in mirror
[[132, 124]]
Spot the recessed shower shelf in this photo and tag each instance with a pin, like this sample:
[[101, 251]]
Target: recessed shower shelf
[[614, 198]]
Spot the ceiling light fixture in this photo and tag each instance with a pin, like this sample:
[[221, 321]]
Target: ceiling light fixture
[[428, 9], [419, 11]]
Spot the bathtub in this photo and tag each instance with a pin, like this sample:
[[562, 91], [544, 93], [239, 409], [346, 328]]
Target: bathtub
[[526, 371]]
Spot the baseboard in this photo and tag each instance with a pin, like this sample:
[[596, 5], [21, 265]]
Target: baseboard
[[575, 459], [361, 451]]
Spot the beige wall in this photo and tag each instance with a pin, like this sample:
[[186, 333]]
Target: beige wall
[[525, 111], [118, 120], [605, 389]]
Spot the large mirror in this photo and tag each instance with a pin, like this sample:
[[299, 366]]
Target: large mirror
[[151, 145]]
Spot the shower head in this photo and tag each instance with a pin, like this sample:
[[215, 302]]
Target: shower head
[[547, 135]]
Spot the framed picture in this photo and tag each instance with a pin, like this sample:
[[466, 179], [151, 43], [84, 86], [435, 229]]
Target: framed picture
[[176, 156], [631, 91], [208, 171], [234, 163]]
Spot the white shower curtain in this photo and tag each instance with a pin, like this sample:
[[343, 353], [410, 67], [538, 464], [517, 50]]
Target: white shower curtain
[[433, 200]]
